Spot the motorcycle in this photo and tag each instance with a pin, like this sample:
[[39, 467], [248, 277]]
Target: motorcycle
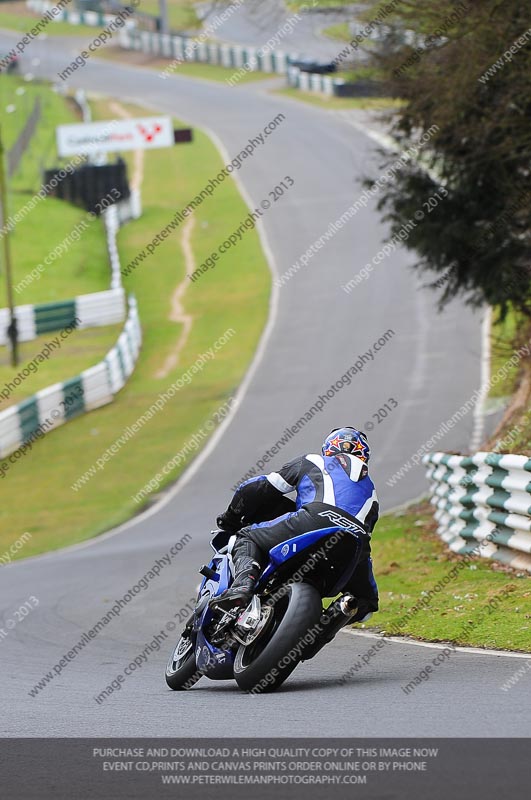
[[284, 624]]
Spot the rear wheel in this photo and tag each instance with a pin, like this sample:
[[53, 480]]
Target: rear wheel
[[181, 671], [264, 665]]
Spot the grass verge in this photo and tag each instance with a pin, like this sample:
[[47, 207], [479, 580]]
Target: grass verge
[[318, 5], [340, 32], [18, 96], [69, 357], [235, 295], [513, 434], [182, 14], [410, 559], [81, 269], [339, 103], [502, 339]]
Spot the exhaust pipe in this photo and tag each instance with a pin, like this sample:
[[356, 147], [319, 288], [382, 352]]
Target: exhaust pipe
[[333, 619]]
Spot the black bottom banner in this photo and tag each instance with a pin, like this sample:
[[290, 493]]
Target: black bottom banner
[[200, 769]]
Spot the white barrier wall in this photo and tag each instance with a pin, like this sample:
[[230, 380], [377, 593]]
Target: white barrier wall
[[22, 424], [187, 49], [90, 310], [484, 498]]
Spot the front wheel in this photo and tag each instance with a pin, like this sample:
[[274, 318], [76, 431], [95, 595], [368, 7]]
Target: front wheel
[[264, 665], [181, 671]]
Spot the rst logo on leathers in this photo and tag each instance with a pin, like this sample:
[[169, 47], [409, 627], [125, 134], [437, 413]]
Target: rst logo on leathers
[[341, 522]]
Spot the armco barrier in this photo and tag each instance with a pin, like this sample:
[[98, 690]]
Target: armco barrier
[[57, 404], [90, 310], [186, 49], [483, 498]]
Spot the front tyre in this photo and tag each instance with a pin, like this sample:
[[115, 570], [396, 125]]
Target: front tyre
[[181, 671], [264, 665]]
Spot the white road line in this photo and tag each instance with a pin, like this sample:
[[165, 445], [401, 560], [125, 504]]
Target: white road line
[[436, 645], [382, 139], [479, 408]]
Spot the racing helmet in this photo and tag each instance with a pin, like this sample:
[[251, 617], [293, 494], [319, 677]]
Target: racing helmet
[[347, 440]]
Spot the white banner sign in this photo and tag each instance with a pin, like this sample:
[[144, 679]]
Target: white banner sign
[[118, 134]]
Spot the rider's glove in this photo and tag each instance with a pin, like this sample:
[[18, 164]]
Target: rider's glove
[[229, 521]]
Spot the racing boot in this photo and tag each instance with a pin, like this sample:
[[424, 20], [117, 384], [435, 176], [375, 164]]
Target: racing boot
[[245, 555]]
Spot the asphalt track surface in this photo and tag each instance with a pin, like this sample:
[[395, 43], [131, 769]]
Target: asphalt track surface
[[257, 21], [431, 366]]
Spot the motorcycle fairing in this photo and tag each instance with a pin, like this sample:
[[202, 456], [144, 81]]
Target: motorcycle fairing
[[286, 550], [214, 662]]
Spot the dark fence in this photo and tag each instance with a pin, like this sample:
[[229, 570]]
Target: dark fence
[[361, 88], [89, 184], [148, 22], [17, 151]]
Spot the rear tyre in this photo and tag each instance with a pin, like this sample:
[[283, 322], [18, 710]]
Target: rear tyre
[[265, 664], [181, 671]]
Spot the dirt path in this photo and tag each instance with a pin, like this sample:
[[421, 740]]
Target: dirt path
[[177, 311]]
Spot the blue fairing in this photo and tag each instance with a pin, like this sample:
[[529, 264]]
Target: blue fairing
[[291, 547], [211, 588], [216, 663]]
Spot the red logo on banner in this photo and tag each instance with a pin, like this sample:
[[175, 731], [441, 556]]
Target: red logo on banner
[[147, 134]]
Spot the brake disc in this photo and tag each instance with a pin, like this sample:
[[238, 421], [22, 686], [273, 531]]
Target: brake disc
[[248, 636]]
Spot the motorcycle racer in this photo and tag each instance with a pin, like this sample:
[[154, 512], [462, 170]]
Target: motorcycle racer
[[331, 488]]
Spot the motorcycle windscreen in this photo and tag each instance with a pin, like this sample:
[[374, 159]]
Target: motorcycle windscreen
[[220, 540]]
